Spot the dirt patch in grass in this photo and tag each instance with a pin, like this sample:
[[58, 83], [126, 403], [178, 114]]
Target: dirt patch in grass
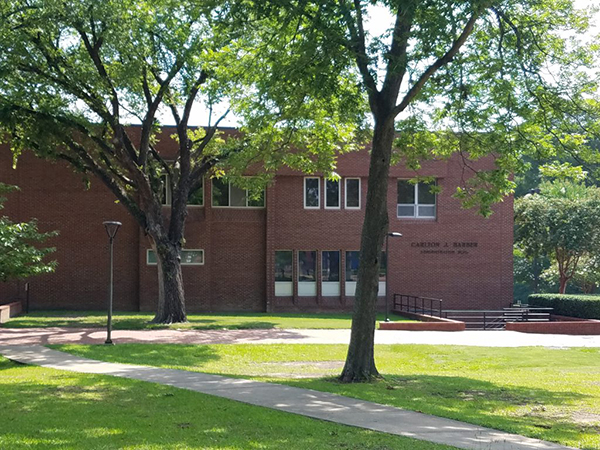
[[586, 418]]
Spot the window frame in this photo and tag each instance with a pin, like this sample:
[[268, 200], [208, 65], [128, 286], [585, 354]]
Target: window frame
[[318, 196], [339, 196], [168, 200], [346, 193], [416, 203], [275, 265], [339, 266], [201, 250], [212, 198]]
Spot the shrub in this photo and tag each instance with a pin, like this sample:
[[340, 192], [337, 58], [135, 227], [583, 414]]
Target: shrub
[[583, 306]]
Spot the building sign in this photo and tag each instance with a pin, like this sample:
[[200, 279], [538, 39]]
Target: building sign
[[444, 248]]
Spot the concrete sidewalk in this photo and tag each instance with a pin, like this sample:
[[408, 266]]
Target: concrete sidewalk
[[318, 405], [501, 338]]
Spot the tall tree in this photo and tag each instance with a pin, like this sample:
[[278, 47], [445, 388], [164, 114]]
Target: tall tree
[[481, 78], [75, 73]]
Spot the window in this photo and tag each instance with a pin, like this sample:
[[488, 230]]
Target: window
[[225, 194], [283, 265], [352, 193], [166, 196], [352, 259], [416, 200], [196, 198], [284, 286], [165, 190], [307, 276], [189, 257], [307, 265], [352, 263], [312, 193], [330, 267], [332, 194]]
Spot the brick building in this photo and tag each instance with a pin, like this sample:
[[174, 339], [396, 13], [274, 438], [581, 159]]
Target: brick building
[[294, 249]]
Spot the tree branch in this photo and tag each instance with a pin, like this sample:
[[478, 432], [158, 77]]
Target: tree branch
[[439, 63]]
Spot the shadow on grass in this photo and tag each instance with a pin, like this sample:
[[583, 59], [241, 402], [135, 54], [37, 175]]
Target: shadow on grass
[[47, 409], [533, 412]]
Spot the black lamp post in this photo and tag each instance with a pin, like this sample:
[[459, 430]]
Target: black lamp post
[[387, 269], [111, 229]]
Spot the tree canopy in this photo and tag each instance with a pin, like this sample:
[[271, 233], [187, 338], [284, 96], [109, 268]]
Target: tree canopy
[[495, 79], [75, 74], [561, 222]]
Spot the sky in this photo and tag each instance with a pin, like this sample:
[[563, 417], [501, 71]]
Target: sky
[[378, 21]]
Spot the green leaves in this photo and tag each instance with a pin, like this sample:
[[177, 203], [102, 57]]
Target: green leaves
[[562, 223]]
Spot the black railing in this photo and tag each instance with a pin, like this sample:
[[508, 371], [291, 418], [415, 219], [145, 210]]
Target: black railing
[[489, 319], [418, 305]]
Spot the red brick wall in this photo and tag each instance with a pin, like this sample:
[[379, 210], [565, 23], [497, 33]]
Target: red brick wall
[[239, 244], [56, 196]]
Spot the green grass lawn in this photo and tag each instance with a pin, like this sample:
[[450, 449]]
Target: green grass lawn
[[52, 409], [140, 321], [551, 394]]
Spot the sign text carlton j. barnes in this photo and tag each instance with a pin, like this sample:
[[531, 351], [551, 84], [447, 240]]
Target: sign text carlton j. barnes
[[444, 247]]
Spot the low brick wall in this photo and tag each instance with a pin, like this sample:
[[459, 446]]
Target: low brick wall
[[10, 310], [566, 325], [426, 323]]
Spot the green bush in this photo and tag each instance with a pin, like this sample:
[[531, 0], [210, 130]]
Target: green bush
[[584, 306]]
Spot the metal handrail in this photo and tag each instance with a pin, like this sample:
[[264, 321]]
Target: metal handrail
[[417, 305]]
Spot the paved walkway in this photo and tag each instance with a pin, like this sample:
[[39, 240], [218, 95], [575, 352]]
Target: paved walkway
[[501, 338], [319, 405]]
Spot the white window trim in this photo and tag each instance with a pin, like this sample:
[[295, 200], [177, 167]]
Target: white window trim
[[339, 206], [212, 199], [416, 204], [304, 193], [168, 194], [148, 263], [346, 193]]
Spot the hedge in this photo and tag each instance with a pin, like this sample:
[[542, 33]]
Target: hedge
[[583, 306]]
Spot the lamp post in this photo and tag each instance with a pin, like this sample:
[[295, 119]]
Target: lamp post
[[387, 269], [111, 229]]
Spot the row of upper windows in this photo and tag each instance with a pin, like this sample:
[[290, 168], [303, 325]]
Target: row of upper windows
[[333, 195], [224, 195], [414, 200]]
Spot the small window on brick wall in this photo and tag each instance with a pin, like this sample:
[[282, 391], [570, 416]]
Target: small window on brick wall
[[416, 200], [189, 257], [352, 193], [312, 193], [227, 195], [332, 194], [195, 198]]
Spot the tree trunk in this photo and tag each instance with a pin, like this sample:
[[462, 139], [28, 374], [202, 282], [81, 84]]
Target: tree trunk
[[360, 361], [171, 299], [563, 284]]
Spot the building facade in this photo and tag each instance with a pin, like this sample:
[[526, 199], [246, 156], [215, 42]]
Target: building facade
[[295, 248]]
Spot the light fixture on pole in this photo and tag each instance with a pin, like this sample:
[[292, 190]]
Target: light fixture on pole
[[387, 266], [111, 229]]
